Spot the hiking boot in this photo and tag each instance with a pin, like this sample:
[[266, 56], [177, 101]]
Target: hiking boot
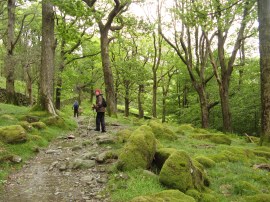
[[104, 131], [96, 130]]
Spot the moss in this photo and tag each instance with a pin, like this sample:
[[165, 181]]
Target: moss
[[27, 126], [245, 188], [39, 125], [217, 139], [161, 131], [4, 154], [139, 151], [54, 121], [162, 155], [30, 118], [205, 161], [12, 134], [258, 198], [167, 195], [7, 116], [123, 135], [208, 198], [184, 129], [262, 153], [194, 193], [220, 139], [180, 172]]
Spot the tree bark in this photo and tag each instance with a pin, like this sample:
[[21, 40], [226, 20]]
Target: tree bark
[[107, 72], [126, 100], [9, 60], [47, 58], [264, 37], [140, 101], [154, 99]]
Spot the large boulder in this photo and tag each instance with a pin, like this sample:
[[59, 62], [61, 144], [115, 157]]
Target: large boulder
[[161, 131], [161, 155], [123, 135], [139, 151], [12, 134], [180, 172], [167, 195]]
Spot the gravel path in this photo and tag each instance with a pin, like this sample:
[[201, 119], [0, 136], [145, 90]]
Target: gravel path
[[65, 171]]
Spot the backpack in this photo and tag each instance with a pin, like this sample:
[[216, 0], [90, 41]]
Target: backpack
[[104, 103]]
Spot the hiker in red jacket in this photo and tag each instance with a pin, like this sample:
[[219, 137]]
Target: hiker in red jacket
[[100, 108]]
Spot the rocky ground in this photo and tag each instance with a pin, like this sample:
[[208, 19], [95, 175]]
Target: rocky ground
[[72, 168]]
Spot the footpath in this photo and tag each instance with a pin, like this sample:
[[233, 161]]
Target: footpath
[[72, 168]]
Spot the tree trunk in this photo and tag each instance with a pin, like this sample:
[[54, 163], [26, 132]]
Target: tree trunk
[[47, 58], [264, 37], [204, 107], [154, 99], [9, 60], [126, 101], [107, 72], [140, 101], [59, 78], [225, 107], [28, 80], [164, 97]]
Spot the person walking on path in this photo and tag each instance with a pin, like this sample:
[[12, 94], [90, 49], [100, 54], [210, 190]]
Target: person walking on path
[[100, 108], [76, 108]]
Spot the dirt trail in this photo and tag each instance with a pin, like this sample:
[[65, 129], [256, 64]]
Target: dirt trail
[[51, 175]]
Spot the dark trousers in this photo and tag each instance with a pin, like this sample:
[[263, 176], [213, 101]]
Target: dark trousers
[[100, 119], [76, 112]]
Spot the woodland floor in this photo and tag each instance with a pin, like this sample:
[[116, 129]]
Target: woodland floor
[[46, 177]]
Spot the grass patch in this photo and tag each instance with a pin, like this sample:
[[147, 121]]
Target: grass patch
[[136, 184]]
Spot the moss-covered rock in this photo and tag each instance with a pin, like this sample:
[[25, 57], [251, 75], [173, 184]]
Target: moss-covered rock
[[54, 121], [194, 193], [123, 135], [215, 138], [205, 197], [245, 188], [167, 195], [39, 125], [161, 131], [184, 129], [12, 134], [205, 161], [180, 172], [258, 198], [7, 117], [161, 155], [27, 126], [139, 151], [31, 118]]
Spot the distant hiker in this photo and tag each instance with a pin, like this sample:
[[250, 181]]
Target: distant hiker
[[100, 108], [76, 108]]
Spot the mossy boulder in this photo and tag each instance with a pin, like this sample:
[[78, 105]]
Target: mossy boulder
[[258, 198], [139, 151], [31, 118], [167, 195], [54, 121], [194, 193], [205, 161], [245, 188], [205, 197], [39, 125], [12, 134], [161, 155], [184, 129], [180, 172], [7, 117], [215, 138], [161, 131], [27, 126], [123, 135]]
